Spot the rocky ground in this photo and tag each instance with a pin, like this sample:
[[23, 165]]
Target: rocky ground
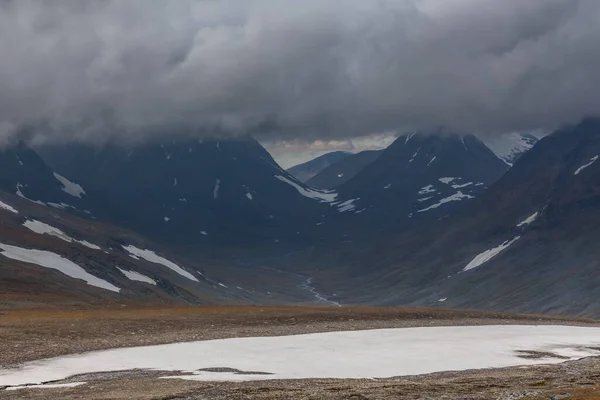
[[37, 332]]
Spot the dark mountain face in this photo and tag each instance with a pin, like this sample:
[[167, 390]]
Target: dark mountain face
[[307, 170], [528, 244], [196, 192], [25, 173], [420, 177], [342, 171]]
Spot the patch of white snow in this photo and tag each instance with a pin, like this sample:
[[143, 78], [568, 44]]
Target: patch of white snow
[[347, 206], [54, 261], [487, 255], [216, 189], [136, 276], [529, 219], [592, 160], [69, 187], [447, 180], [151, 256], [7, 207], [427, 189], [43, 228], [455, 197], [380, 353]]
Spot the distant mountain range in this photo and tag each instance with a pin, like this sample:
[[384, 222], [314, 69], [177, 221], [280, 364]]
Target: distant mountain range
[[525, 244], [436, 219], [192, 192]]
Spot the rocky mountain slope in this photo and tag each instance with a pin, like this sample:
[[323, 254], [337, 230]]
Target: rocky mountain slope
[[420, 177], [305, 171], [340, 172], [24, 173], [528, 243], [193, 192]]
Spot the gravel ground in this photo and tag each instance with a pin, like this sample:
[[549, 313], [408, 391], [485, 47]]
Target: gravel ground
[[30, 334]]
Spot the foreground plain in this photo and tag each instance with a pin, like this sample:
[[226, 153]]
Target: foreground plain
[[31, 333]]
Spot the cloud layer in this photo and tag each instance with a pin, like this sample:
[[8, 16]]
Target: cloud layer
[[311, 69]]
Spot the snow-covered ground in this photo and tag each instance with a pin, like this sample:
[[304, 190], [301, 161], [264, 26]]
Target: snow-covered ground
[[342, 355]]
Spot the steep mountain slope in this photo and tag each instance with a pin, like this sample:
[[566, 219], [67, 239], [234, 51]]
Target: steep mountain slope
[[304, 172], [510, 147], [529, 243], [196, 193], [419, 177], [340, 172], [49, 255], [23, 172]]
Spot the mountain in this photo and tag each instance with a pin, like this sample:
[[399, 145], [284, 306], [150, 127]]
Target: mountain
[[510, 147], [340, 172], [50, 256], [419, 177], [195, 193], [304, 172], [527, 244]]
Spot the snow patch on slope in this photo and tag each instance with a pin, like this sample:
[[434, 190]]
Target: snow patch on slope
[[45, 229], [592, 160], [69, 187], [427, 189], [7, 207], [448, 180], [54, 261], [136, 276], [529, 219], [216, 189], [487, 255], [455, 197], [152, 257], [325, 196], [42, 228], [347, 205]]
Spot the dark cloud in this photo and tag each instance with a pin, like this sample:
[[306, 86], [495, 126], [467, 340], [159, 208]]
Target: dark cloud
[[294, 69]]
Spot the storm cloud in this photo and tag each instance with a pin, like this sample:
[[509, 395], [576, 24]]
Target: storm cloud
[[286, 69]]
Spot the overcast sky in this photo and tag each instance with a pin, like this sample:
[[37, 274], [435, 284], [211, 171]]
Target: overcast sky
[[294, 71]]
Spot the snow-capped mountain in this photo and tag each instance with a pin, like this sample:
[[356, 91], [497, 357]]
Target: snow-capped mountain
[[24, 173], [195, 192], [420, 177], [342, 171], [305, 171], [511, 146]]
